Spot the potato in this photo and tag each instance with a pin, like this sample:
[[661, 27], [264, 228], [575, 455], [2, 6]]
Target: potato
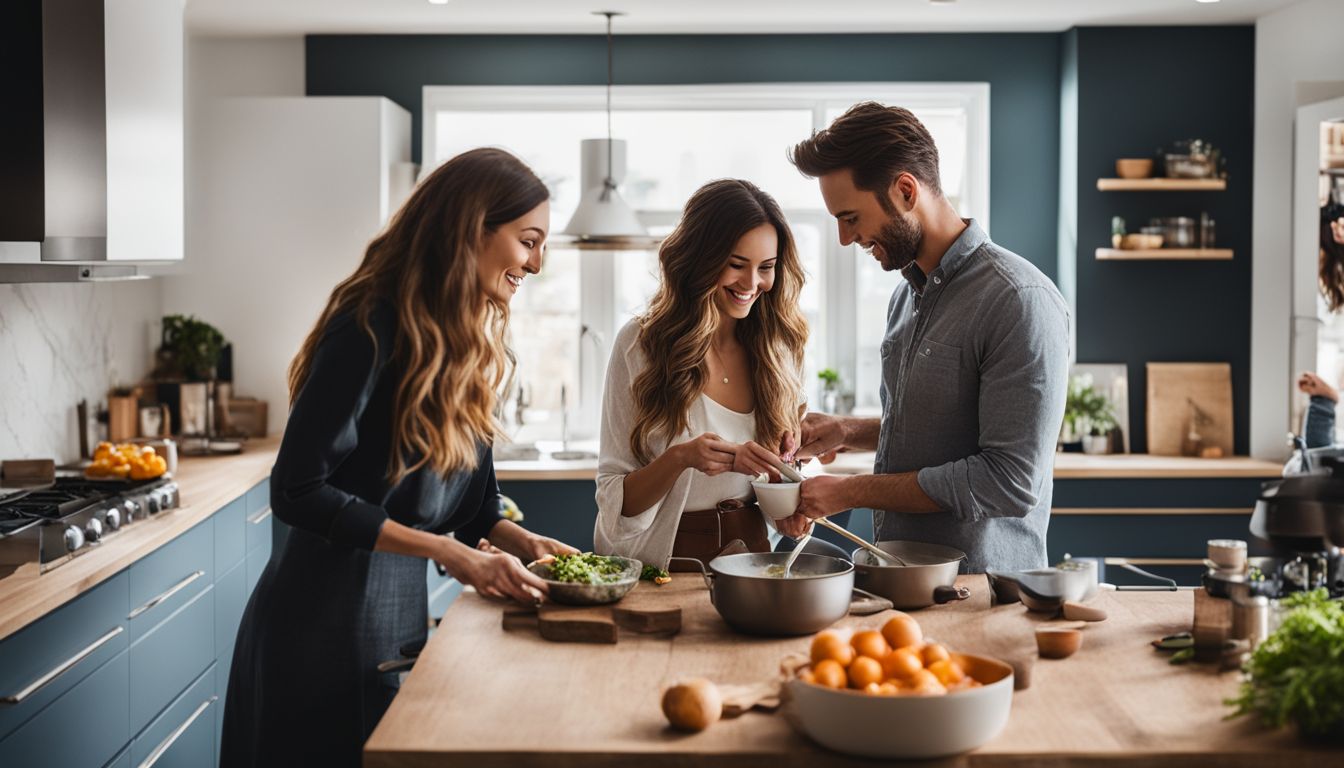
[[692, 705]]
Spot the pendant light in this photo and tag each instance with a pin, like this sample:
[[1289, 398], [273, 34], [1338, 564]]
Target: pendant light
[[603, 221]]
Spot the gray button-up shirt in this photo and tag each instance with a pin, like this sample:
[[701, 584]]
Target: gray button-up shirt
[[974, 373]]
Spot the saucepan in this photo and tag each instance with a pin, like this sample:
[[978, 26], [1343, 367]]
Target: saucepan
[[749, 591], [928, 576]]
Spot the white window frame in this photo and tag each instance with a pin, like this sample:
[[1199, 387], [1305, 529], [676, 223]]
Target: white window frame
[[597, 308]]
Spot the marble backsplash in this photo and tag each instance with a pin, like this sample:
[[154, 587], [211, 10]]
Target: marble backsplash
[[63, 342]]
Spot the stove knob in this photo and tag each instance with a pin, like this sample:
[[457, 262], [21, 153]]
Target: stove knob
[[132, 508], [152, 500], [93, 530], [74, 538], [113, 518]]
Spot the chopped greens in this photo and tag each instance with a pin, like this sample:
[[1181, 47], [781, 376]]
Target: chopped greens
[[655, 574], [587, 568], [1297, 674]]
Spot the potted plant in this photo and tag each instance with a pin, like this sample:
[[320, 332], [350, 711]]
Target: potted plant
[[830, 389], [189, 350], [1296, 675], [1088, 418]]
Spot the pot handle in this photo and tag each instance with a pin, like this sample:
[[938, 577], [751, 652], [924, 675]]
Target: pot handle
[[867, 603], [709, 577], [948, 592]]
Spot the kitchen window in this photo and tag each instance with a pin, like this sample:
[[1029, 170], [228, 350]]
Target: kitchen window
[[678, 138]]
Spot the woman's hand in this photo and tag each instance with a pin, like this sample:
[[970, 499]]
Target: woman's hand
[[707, 453], [753, 459], [524, 544], [492, 572], [1314, 385]]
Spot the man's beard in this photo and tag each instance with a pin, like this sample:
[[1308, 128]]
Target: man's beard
[[899, 239]]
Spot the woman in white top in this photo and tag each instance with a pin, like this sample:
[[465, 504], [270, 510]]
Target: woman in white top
[[701, 383]]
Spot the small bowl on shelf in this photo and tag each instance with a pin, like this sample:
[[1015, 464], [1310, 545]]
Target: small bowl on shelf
[[1134, 167], [1140, 242]]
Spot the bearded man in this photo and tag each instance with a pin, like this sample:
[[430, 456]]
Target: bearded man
[[974, 361]]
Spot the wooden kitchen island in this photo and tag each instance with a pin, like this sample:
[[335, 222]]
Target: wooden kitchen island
[[482, 696]]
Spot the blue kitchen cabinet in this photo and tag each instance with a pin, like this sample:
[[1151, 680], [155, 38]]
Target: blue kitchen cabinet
[[183, 736], [84, 726], [230, 534], [50, 657]]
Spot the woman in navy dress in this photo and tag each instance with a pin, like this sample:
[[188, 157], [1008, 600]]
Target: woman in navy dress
[[387, 450]]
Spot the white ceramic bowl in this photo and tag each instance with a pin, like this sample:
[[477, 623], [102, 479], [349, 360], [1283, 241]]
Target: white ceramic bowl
[[914, 727], [778, 500]]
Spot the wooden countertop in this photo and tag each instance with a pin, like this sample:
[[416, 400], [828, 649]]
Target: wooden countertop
[[206, 485], [1068, 466], [481, 696]]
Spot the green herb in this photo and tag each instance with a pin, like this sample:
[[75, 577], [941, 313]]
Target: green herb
[[1297, 673], [190, 348], [587, 568], [655, 574]]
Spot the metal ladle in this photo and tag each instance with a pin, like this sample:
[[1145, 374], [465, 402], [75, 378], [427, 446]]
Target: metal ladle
[[862, 542]]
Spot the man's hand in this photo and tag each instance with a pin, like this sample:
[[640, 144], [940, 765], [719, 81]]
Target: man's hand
[[823, 496], [1314, 385], [822, 436]]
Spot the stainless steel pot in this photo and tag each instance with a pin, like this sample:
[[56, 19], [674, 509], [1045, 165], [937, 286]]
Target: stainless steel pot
[[815, 596], [928, 577]]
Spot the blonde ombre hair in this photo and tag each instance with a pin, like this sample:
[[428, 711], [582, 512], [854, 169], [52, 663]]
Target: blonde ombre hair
[[675, 334], [450, 351]]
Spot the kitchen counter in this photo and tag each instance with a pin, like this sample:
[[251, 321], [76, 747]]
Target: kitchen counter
[[536, 703], [1068, 466], [206, 484]]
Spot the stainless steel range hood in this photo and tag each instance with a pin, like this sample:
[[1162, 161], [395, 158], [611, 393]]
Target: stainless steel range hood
[[91, 145]]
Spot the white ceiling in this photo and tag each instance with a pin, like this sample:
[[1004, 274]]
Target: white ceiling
[[287, 17]]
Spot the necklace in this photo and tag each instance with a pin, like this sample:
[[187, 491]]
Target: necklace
[[720, 361]]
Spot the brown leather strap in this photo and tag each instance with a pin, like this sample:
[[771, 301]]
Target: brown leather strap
[[702, 533]]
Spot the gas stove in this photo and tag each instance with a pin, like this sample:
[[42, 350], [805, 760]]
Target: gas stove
[[53, 523]]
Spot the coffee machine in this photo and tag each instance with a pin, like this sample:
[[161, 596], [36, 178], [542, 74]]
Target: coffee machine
[[1301, 516]]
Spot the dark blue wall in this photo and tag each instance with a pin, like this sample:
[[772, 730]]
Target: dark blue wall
[[1022, 70], [1140, 89]]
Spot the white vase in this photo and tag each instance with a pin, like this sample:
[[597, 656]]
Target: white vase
[[1096, 444]]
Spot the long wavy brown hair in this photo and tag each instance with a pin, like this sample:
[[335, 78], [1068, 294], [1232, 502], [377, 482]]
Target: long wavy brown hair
[[450, 351], [675, 333]]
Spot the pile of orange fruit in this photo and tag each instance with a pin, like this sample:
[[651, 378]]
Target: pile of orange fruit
[[893, 661], [125, 460]]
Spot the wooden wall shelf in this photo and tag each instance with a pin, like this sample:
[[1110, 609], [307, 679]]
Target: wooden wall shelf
[[1161, 185], [1165, 254]]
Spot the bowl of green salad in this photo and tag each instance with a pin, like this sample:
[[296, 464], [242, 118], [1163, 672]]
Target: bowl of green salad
[[586, 578]]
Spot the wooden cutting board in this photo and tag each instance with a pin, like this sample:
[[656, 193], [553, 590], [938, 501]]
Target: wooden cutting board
[[1180, 392], [646, 610]]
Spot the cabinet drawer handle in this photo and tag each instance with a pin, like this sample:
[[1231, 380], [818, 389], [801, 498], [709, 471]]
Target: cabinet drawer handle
[[61, 669], [261, 516], [167, 743], [178, 587]]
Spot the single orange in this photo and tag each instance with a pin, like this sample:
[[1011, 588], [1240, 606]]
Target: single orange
[[870, 643], [829, 673], [873, 689], [933, 652], [926, 684], [947, 671], [828, 644], [863, 671], [901, 664], [889, 689], [902, 631]]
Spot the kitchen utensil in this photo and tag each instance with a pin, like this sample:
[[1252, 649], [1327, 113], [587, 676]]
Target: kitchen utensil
[[777, 500], [1134, 167], [1227, 554], [1177, 231], [752, 601], [1058, 643], [862, 542], [1043, 589], [1140, 242], [907, 727], [797, 550], [789, 473], [927, 577], [578, 593]]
